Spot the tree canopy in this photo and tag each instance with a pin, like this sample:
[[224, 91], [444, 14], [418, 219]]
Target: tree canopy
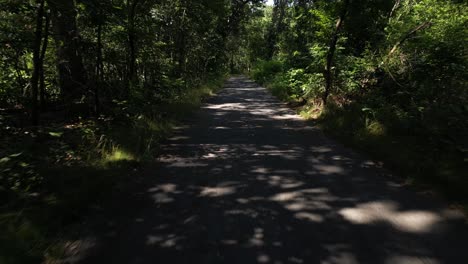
[[86, 85]]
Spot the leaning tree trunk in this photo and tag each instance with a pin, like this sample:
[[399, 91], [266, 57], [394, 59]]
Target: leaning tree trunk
[[327, 74], [72, 74], [37, 63]]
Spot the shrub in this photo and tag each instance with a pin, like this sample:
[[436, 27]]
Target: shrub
[[266, 70]]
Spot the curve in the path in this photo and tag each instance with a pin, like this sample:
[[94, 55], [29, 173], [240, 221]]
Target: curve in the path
[[248, 181]]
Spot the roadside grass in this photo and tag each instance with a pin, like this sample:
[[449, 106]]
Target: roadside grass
[[424, 159], [52, 177]]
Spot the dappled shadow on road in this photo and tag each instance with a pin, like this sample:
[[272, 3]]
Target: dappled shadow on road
[[249, 182]]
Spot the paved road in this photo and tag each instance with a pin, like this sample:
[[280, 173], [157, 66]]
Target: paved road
[[248, 181]]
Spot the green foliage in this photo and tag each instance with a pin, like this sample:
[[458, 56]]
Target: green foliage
[[52, 177], [399, 75], [390, 136], [399, 90], [302, 84], [95, 132], [295, 84], [265, 70], [289, 85]]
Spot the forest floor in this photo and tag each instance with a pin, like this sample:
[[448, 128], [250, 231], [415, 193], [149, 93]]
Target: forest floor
[[246, 180]]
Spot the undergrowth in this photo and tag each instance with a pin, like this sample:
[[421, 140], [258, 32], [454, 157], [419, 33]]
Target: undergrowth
[[423, 159], [421, 146], [54, 176]]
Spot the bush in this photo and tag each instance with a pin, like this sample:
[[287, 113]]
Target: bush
[[265, 71]]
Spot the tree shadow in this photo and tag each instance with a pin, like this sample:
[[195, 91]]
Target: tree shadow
[[250, 182]]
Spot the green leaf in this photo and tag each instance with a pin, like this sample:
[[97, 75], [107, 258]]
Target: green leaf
[[4, 160], [24, 164], [56, 134], [16, 155]]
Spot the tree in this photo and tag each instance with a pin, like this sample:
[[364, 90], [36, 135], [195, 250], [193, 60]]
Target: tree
[[72, 73], [45, 43], [328, 75], [277, 26], [37, 63], [132, 6]]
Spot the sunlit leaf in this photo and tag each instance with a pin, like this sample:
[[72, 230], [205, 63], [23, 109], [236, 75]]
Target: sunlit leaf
[[56, 134], [4, 160]]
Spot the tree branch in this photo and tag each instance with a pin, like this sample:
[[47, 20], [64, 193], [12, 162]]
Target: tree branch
[[408, 35]]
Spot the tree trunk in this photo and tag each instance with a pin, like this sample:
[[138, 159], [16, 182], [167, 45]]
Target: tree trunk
[[132, 74], [394, 9], [72, 74], [279, 12], [45, 43], [232, 62], [37, 63], [181, 43], [327, 74], [408, 35], [97, 109], [181, 54], [19, 79], [301, 10], [25, 68]]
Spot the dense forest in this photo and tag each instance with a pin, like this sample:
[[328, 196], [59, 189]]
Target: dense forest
[[89, 87], [387, 77]]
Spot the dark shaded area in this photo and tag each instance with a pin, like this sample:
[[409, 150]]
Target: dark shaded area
[[250, 182]]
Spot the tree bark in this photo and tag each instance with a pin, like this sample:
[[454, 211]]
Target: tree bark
[[132, 74], [394, 9], [181, 43], [97, 109], [327, 74], [37, 62], [45, 43], [19, 79], [72, 74]]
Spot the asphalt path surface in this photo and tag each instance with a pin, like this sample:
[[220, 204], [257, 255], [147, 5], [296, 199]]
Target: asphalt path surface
[[246, 180]]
